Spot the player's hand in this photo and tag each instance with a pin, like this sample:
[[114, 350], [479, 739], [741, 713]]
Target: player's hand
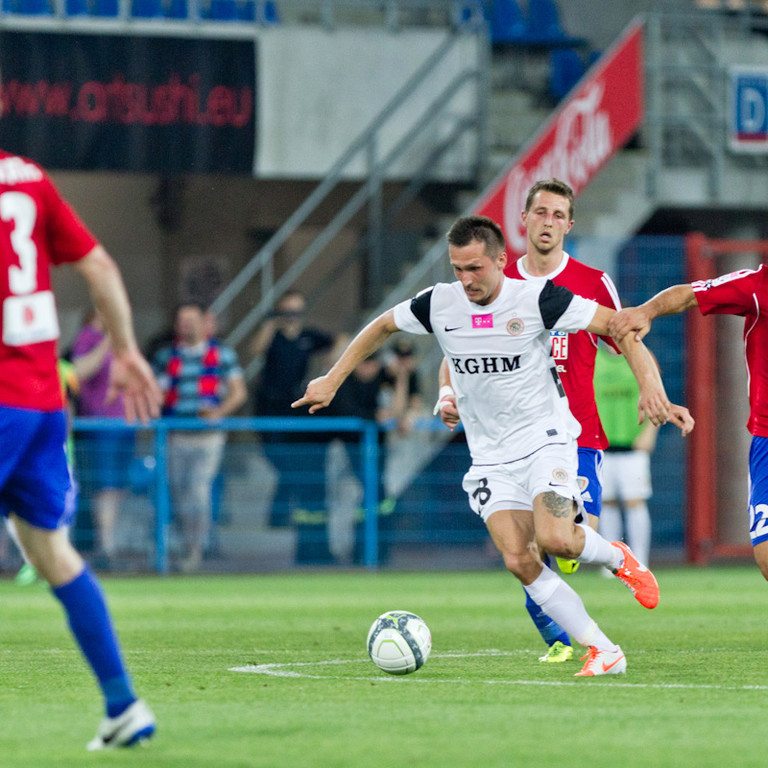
[[654, 405], [628, 320], [446, 408], [131, 377], [681, 417], [318, 394]]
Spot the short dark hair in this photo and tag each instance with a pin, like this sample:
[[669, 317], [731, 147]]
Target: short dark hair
[[556, 187], [469, 229], [194, 303]]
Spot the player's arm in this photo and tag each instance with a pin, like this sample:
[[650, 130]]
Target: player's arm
[[653, 401], [322, 390], [671, 301], [130, 374], [445, 406]]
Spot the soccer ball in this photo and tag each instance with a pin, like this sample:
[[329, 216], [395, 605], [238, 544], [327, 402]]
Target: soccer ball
[[399, 642]]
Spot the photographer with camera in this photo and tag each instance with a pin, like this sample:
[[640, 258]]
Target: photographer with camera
[[287, 347]]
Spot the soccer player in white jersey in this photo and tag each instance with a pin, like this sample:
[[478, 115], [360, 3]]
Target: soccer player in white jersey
[[548, 217], [521, 435]]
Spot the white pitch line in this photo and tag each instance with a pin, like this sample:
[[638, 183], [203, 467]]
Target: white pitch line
[[287, 669]]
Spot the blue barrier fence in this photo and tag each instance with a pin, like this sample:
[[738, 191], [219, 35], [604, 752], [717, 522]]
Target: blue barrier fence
[[415, 517], [159, 488]]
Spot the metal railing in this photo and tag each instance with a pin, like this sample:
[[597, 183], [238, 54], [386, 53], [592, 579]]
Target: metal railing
[[687, 117], [260, 276], [160, 489]]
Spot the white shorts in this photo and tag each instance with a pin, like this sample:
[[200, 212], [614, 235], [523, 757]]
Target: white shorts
[[626, 475], [515, 484]]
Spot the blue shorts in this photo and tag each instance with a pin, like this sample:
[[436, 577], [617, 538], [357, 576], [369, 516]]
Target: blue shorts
[[590, 479], [35, 479], [758, 490]]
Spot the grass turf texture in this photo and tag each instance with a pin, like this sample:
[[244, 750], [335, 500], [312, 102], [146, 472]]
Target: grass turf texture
[[694, 693]]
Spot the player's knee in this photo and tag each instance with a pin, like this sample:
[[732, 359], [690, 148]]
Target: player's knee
[[522, 564], [558, 543]]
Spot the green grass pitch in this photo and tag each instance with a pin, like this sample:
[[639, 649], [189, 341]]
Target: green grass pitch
[[694, 694]]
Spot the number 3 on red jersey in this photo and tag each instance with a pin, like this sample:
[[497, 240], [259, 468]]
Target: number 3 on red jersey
[[29, 315]]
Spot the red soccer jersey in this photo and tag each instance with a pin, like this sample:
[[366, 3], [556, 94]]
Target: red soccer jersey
[[37, 230], [575, 353], [745, 293]]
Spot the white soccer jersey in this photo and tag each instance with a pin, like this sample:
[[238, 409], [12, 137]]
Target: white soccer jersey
[[507, 389]]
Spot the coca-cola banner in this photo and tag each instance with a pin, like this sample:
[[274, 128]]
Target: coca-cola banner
[[593, 123], [155, 104]]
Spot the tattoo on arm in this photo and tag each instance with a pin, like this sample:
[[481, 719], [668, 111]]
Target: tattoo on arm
[[557, 505]]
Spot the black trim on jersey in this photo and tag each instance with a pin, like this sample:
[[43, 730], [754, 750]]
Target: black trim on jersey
[[558, 382], [420, 307], [553, 301], [522, 458]]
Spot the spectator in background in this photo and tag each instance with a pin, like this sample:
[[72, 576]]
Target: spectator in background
[[379, 392], [627, 460], [200, 378], [106, 453], [405, 403], [287, 346]]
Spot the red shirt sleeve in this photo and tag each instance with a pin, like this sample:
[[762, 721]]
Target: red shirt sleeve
[[731, 294], [67, 237]]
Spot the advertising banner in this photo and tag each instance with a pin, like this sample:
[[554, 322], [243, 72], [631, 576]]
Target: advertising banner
[[749, 109], [592, 124], [124, 103]]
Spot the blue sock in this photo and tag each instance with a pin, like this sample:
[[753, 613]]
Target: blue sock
[[91, 625], [548, 628]]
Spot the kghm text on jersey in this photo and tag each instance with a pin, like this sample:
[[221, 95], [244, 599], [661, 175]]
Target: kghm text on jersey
[[472, 365]]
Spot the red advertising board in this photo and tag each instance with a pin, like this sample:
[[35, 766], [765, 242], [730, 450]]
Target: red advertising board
[[588, 128]]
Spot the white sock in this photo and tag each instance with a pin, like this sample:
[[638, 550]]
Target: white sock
[[638, 522], [610, 522], [562, 604], [598, 550]]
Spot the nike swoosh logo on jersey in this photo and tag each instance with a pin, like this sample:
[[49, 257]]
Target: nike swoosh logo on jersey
[[448, 330], [606, 667]]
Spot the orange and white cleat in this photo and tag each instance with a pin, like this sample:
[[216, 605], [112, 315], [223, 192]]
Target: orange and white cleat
[[602, 662], [637, 578]]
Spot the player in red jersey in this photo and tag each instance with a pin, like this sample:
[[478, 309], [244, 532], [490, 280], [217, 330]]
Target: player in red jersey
[[548, 217], [38, 230], [743, 293]]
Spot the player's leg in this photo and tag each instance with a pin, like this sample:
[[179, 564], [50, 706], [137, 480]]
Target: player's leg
[[27, 574], [556, 499], [638, 525], [758, 502], [590, 484], [512, 533], [634, 482], [495, 491], [42, 527], [611, 525], [499, 497]]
